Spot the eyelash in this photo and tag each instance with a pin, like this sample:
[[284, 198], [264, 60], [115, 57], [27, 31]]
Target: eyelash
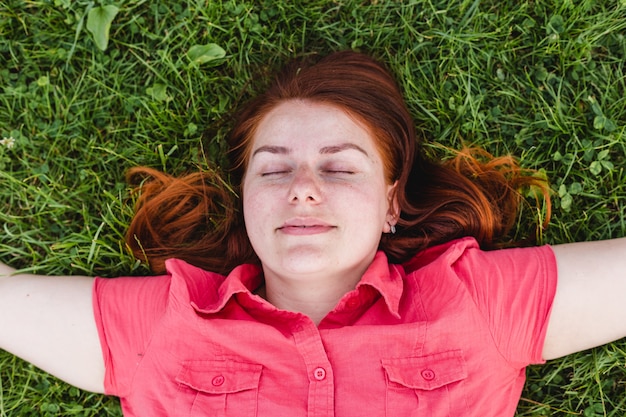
[[326, 171], [338, 171], [267, 174]]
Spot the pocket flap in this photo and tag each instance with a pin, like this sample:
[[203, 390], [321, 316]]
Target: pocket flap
[[426, 372], [220, 377]]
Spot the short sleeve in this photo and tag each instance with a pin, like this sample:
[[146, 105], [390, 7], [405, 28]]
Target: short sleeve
[[126, 311], [514, 289]]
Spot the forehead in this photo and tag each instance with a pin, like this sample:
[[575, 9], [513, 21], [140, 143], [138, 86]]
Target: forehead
[[302, 124]]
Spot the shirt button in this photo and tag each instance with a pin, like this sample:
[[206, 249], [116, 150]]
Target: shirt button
[[319, 374], [218, 380], [352, 303], [428, 374]]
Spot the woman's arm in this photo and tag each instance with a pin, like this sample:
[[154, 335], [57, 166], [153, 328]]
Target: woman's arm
[[49, 321], [590, 303]]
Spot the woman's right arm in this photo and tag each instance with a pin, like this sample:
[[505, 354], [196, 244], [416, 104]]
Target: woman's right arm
[[49, 321]]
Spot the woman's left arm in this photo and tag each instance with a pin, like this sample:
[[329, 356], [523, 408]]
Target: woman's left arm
[[590, 303]]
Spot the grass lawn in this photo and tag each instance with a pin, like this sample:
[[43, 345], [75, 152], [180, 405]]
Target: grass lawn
[[543, 80]]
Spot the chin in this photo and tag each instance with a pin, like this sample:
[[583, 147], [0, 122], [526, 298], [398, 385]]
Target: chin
[[306, 261], [305, 266]]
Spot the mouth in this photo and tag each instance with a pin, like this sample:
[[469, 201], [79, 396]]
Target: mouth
[[305, 227]]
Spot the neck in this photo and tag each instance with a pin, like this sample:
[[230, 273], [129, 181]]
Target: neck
[[313, 297]]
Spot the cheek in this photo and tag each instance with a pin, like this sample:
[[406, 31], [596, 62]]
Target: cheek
[[375, 195], [249, 205], [246, 203], [255, 206], [252, 217]]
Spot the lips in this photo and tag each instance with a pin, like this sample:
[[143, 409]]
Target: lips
[[305, 226]]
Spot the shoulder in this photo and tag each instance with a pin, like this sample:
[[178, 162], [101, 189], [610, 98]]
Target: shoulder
[[509, 291], [461, 263], [466, 254], [182, 282]]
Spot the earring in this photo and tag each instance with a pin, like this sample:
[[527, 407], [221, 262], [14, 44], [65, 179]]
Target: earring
[[392, 228]]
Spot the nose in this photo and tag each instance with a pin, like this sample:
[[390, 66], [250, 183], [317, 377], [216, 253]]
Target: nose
[[305, 187]]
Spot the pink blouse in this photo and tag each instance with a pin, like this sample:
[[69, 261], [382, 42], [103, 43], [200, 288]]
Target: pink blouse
[[447, 334]]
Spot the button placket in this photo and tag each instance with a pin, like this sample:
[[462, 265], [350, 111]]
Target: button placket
[[319, 370]]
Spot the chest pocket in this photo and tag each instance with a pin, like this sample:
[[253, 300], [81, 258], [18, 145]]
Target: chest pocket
[[218, 388], [429, 385]]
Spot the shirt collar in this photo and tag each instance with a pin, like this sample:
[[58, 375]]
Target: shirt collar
[[387, 279], [209, 292]]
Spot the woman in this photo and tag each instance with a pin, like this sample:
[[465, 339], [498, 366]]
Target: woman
[[356, 283]]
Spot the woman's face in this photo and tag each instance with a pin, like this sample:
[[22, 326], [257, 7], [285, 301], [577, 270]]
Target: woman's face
[[314, 193]]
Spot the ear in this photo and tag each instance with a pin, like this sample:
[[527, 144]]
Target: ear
[[393, 211]]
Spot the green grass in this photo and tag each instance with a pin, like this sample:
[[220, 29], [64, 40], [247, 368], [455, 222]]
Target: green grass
[[543, 80]]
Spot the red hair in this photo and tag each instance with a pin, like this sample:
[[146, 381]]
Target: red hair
[[193, 217], [472, 194]]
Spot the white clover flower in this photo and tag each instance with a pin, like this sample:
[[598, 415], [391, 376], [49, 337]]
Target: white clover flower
[[8, 142]]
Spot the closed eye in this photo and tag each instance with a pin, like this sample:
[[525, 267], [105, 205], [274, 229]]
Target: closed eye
[[338, 171], [274, 173]]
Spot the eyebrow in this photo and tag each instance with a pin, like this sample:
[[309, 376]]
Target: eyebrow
[[272, 149], [342, 147], [282, 150]]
